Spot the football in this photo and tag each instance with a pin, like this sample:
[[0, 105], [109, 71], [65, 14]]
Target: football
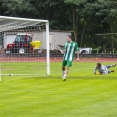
[[98, 73]]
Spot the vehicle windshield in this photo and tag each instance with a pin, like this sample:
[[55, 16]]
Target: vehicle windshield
[[22, 38], [19, 38]]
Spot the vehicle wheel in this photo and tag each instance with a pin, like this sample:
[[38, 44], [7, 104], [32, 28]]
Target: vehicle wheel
[[39, 51], [7, 52], [22, 51], [86, 52]]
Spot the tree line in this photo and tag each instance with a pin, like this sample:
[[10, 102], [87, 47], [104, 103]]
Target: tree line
[[85, 18]]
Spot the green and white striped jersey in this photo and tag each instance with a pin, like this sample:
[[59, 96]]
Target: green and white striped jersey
[[70, 50]]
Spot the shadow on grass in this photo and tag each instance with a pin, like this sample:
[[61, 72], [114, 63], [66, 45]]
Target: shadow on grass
[[88, 77], [76, 77]]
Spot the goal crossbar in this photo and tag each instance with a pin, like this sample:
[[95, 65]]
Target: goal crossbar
[[7, 24], [23, 19]]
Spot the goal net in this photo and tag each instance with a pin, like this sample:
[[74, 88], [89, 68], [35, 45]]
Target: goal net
[[24, 46]]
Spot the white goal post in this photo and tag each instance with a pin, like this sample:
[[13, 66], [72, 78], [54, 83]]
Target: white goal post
[[28, 54]]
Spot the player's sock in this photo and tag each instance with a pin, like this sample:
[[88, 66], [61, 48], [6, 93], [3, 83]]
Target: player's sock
[[63, 74], [64, 78], [113, 65]]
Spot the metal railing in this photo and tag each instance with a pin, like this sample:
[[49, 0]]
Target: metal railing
[[105, 51]]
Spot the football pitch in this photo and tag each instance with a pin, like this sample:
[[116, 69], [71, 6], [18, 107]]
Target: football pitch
[[83, 94]]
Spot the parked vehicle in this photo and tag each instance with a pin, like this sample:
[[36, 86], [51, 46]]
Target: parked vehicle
[[22, 44]]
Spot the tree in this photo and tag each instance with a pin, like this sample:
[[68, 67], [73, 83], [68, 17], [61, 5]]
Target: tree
[[108, 9], [54, 11], [85, 17], [76, 7], [2, 10]]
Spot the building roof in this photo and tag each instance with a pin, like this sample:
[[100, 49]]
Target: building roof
[[61, 31]]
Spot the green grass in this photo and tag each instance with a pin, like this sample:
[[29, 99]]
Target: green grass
[[23, 68], [82, 95]]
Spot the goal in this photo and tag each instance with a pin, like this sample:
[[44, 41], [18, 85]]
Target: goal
[[24, 46]]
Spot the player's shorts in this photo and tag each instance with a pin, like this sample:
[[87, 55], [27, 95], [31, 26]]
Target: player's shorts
[[67, 63]]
